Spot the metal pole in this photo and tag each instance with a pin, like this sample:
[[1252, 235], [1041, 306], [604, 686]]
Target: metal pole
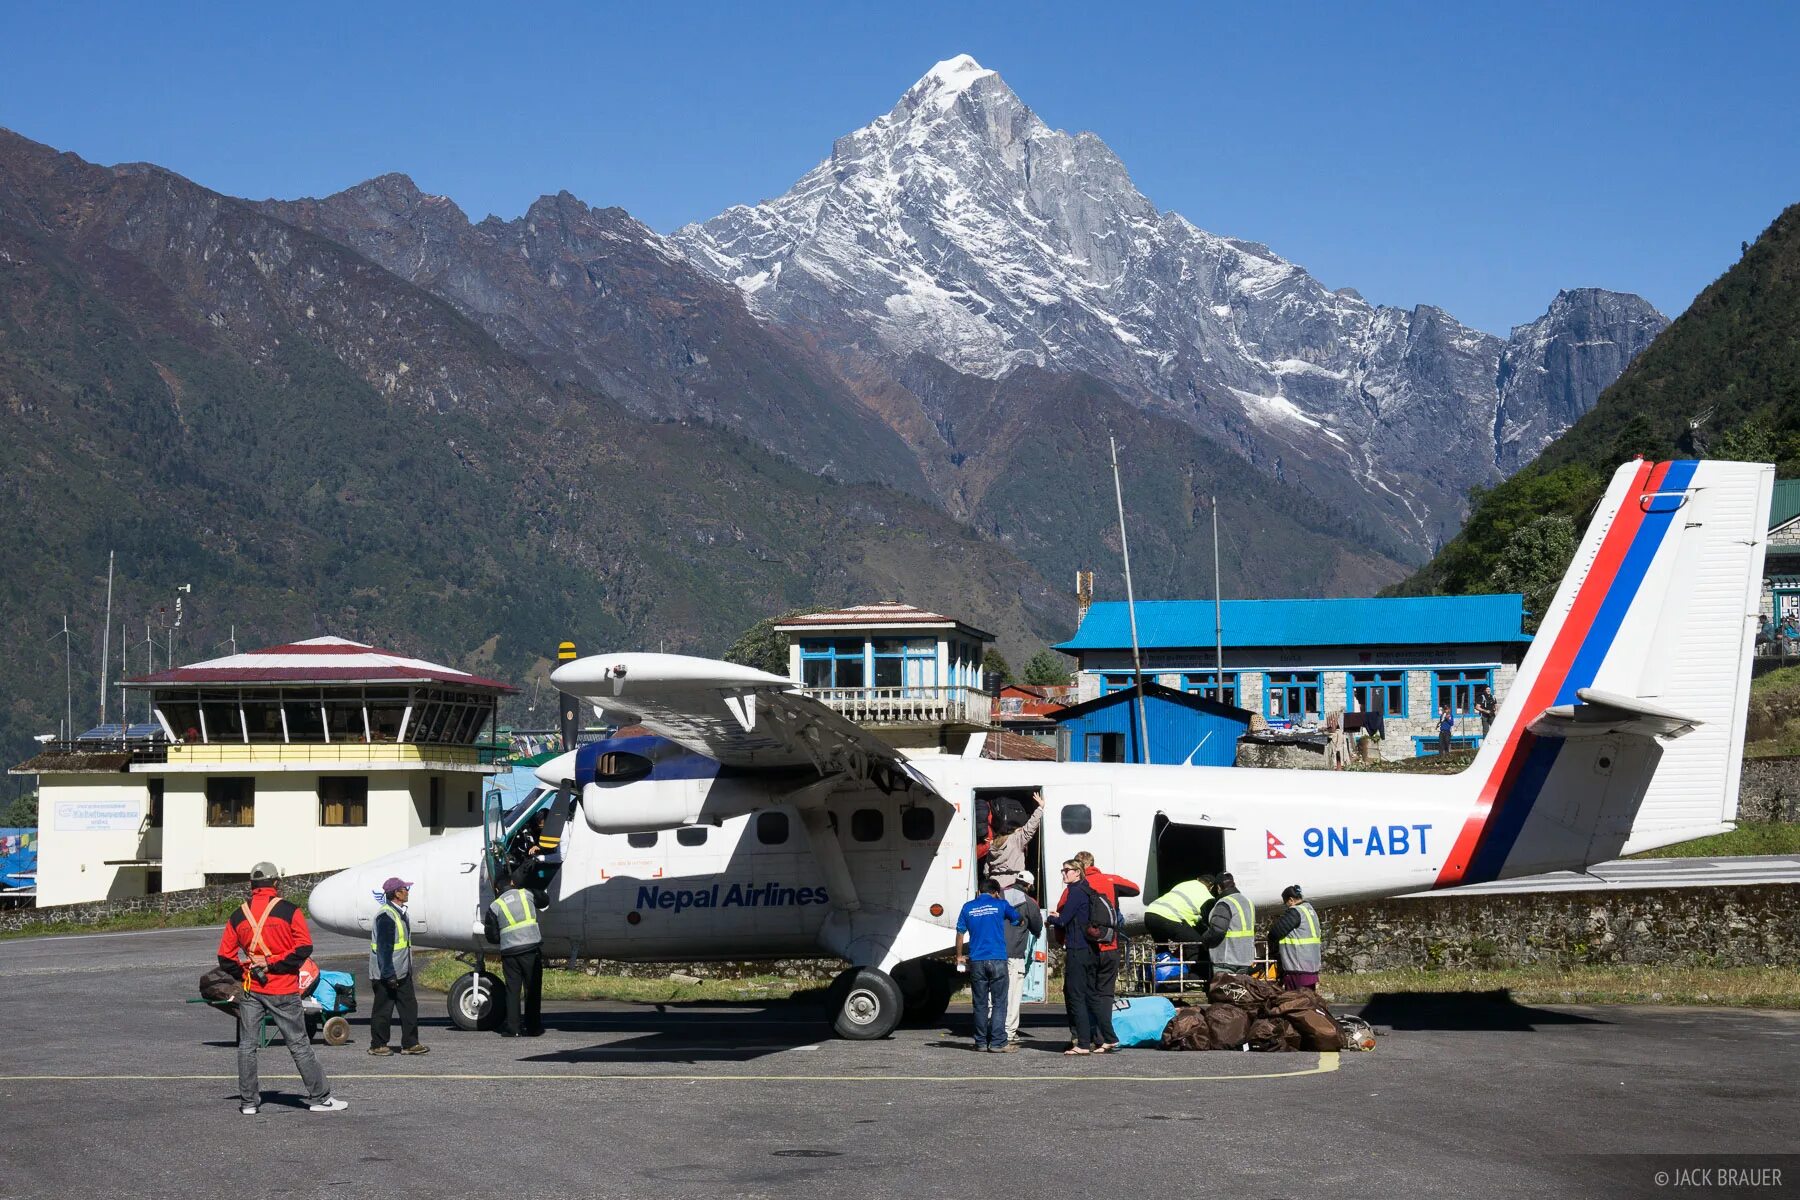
[[106, 636], [1137, 662], [68, 679], [1218, 614]]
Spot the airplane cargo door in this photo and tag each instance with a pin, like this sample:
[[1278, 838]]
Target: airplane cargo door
[[1181, 851]]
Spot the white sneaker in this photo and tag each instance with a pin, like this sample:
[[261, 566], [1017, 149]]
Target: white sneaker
[[331, 1105], [249, 1110]]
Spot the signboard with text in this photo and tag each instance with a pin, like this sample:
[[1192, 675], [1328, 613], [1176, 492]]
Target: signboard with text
[[98, 816]]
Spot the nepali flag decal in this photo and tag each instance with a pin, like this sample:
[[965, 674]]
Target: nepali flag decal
[[1274, 845]]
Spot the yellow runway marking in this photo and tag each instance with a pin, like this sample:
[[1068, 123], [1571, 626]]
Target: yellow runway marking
[[1327, 1063]]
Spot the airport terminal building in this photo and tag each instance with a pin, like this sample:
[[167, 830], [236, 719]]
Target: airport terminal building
[[314, 755]]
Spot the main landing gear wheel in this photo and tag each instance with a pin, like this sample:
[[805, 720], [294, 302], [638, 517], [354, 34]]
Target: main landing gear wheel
[[865, 1004], [471, 1011], [926, 987]]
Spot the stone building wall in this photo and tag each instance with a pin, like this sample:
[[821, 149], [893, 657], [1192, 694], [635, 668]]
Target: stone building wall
[[1725, 927], [190, 900]]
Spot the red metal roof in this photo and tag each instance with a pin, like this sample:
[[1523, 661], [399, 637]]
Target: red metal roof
[[318, 660]]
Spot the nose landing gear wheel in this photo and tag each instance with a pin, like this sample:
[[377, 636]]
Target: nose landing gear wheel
[[865, 1004], [472, 1010]]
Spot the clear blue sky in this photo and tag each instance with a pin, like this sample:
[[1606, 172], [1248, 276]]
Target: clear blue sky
[[1477, 158]]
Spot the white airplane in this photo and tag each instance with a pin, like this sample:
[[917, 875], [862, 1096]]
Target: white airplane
[[758, 824]]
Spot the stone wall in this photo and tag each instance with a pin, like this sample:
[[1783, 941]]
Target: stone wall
[[1728, 927], [189, 900], [1769, 790]]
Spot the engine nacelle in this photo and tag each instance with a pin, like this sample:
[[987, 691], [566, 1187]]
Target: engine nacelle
[[668, 804]]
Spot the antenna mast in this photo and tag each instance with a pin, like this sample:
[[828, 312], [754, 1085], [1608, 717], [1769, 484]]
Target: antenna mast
[[106, 636], [1218, 614], [1137, 662]]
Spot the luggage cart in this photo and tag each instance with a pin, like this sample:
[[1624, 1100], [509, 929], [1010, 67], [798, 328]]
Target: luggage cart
[[1172, 969], [332, 1024]]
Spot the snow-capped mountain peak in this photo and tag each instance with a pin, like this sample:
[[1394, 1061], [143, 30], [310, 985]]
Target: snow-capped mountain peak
[[961, 226]]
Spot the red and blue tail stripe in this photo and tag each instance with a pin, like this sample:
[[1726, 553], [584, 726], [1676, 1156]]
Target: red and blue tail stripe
[[1512, 787]]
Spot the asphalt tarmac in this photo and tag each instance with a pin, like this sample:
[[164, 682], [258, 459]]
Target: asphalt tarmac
[[112, 1086]]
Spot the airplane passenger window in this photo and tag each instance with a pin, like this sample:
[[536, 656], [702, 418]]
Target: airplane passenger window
[[866, 825], [1076, 818], [691, 835], [918, 823], [640, 841], [772, 828]]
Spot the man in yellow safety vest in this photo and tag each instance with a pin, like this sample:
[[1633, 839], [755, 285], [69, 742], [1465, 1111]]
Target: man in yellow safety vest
[[390, 972], [1230, 933], [1294, 940], [513, 922]]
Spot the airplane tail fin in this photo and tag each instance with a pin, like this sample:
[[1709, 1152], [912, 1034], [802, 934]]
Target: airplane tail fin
[[1624, 729]]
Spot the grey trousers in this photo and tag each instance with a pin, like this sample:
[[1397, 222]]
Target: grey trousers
[[285, 1012]]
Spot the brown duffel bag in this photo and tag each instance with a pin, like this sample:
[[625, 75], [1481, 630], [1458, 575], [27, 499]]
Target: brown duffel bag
[[1317, 1030], [1273, 1033], [1187, 1030], [1228, 1024], [1243, 990], [1285, 1003]]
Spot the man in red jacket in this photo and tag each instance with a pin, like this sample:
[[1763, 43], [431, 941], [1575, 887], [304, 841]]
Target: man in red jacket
[[1106, 981], [271, 936]]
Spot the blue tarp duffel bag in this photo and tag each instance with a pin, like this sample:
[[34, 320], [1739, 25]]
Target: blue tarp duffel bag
[[1139, 1021]]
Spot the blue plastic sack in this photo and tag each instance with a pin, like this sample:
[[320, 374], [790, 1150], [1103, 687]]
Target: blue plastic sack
[[325, 991], [1140, 1020]]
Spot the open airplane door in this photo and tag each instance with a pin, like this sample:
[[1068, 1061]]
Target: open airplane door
[[1187, 842]]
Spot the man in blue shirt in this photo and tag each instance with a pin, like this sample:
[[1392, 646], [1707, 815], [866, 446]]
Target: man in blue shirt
[[983, 921]]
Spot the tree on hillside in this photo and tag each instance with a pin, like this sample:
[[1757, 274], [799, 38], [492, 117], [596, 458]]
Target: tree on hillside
[[994, 666], [760, 646], [1533, 563], [22, 813], [1047, 668]]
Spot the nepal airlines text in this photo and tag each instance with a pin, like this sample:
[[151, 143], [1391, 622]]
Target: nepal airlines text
[[737, 895]]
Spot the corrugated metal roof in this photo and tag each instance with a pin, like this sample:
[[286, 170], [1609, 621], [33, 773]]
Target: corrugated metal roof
[[1388, 621], [886, 613], [318, 660], [1784, 503]]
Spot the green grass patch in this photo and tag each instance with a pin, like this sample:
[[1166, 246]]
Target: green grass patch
[[1750, 838], [442, 970], [1782, 680], [1724, 987]]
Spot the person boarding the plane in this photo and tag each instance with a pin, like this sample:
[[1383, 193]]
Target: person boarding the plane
[[983, 921], [1230, 933], [1007, 851], [1295, 942], [1018, 949], [390, 972], [512, 921], [271, 936]]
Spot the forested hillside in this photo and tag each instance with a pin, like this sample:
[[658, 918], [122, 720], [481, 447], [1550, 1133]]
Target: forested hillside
[[1723, 381]]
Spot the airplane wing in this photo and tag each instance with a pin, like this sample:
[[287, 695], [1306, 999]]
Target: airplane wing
[[736, 715]]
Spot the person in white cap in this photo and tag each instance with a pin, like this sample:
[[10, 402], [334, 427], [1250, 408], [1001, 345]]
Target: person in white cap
[[390, 971], [1019, 940]]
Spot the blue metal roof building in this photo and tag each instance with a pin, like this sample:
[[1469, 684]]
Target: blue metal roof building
[[1291, 662], [1184, 728], [1396, 621]]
